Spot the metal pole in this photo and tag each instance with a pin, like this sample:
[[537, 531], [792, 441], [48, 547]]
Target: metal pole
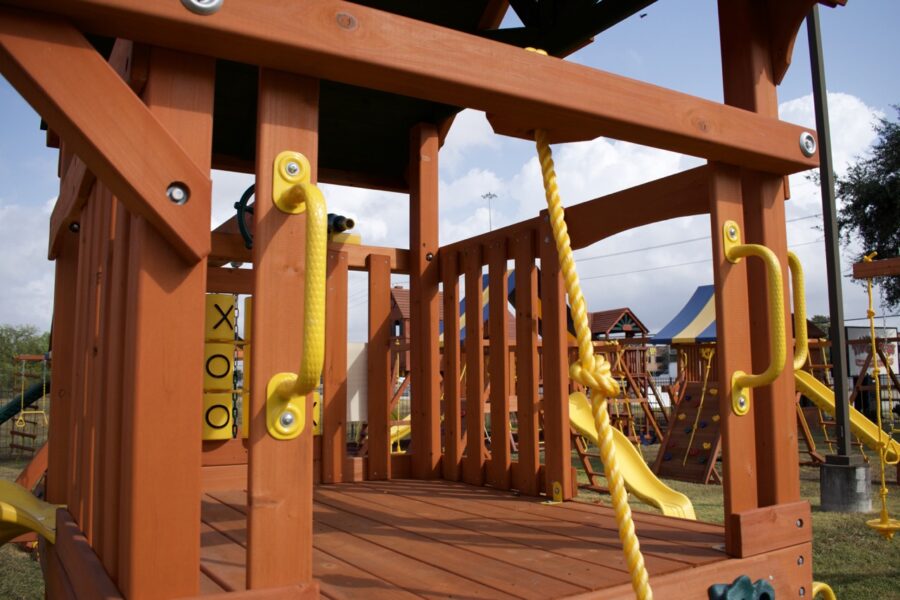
[[832, 241]]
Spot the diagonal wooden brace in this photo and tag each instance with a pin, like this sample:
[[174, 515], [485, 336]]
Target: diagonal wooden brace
[[106, 125]]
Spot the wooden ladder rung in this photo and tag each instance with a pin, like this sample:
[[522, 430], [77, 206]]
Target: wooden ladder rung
[[21, 447], [32, 436]]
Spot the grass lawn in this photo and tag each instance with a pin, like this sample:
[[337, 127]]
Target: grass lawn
[[846, 554]]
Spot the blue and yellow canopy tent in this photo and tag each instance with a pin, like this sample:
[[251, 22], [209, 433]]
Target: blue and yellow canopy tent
[[695, 323]]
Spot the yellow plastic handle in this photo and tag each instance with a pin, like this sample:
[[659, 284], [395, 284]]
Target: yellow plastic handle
[[823, 589], [286, 392], [741, 382], [801, 335]]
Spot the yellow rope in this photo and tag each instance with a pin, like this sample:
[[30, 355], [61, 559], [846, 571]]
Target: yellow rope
[[884, 525], [593, 372], [707, 353]]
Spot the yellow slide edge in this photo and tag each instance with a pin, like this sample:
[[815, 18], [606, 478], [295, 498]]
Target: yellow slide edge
[[639, 479], [21, 512]]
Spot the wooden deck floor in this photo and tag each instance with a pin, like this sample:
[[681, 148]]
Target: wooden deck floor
[[418, 539]]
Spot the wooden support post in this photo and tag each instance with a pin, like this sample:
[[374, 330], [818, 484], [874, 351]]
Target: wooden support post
[[334, 385], [279, 549], [732, 353], [160, 532], [378, 357], [452, 459], [424, 280], [473, 464], [499, 467], [557, 435], [527, 364], [62, 394], [749, 83]]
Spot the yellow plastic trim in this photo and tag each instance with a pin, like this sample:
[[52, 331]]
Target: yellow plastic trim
[[21, 512], [824, 589], [801, 335], [741, 382], [286, 392]]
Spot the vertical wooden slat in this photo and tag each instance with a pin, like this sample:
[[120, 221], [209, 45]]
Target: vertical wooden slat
[[159, 554], [115, 343], [732, 351], [749, 83], [424, 279], [334, 397], [473, 464], [280, 516], [378, 365], [527, 364], [62, 385], [499, 467], [452, 460], [557, 444]]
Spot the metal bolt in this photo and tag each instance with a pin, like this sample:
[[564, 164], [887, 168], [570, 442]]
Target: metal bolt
[[802, 591], [732, 232], [74, 227], [292, 168], [429, 256], [799, 522], [742, 401], [286, 419], [203, 7], [800, 560], [807, 144], [178, 193]]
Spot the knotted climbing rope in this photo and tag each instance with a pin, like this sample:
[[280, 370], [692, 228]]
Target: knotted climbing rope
[[592, 371]]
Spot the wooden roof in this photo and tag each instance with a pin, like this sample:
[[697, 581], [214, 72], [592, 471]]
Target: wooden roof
[[606, 323]]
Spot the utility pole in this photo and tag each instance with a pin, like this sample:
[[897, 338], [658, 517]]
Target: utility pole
[[489, 196]]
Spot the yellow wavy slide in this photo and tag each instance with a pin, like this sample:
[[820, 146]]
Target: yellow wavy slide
[[639, 479], [863, 428]]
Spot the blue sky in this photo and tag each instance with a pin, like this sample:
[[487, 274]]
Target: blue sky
[[675, 45]]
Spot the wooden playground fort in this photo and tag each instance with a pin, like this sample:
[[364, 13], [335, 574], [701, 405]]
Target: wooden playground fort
[[145, 97]]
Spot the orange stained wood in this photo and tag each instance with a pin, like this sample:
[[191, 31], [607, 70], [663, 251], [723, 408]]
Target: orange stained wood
[[473, 463], [378, 367], [527, 365], [62, 374], [424, 276], [279, 549], [498, 473], [885, 267], [162, 288], [229, 281], [772, 528], [749, 83], [557, 446], [453, 447], [739, 462], [62, 76], [479, 73], [80, 565], [334, 376]]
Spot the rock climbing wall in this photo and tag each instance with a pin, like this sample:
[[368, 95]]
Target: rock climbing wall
[[690, 457]]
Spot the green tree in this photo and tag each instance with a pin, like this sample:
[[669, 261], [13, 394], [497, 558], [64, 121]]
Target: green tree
[[18, 339], [870, 192], [822, 322]]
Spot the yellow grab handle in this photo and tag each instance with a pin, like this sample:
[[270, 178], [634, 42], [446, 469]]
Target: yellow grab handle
[[824, 590], [741, 381], [801, 335], [293, 193]]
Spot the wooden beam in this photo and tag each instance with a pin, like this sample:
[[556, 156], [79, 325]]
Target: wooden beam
[[279, 550], [473, 463], [451, 463], [527, 365], [229, 247], [229, 281], [378, 367], [64, 79], [886, 267], [424, 278], [498, 471], [338, 42], [334, 375], [165, 311], [783, 22]]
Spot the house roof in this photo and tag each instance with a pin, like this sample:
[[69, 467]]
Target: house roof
[[615, 321]]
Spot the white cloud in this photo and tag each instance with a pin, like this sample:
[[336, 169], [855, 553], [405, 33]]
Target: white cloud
[[26, 273], [470, 130]]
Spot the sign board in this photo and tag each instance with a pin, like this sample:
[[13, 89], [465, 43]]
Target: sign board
[[857, 352]]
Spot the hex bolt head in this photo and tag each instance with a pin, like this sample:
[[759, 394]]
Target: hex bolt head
[[732, 232], [178, 193], [807, 144], [75, 227], [203, 7], [286, 419], [292, 168]]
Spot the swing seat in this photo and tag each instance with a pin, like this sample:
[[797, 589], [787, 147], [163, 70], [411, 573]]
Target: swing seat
[[884, 526]]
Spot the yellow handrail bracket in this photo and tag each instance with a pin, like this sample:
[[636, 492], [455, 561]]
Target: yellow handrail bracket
[[741, 382], [293, 193]]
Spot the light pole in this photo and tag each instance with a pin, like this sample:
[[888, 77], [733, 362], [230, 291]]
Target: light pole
[[489, 196]]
